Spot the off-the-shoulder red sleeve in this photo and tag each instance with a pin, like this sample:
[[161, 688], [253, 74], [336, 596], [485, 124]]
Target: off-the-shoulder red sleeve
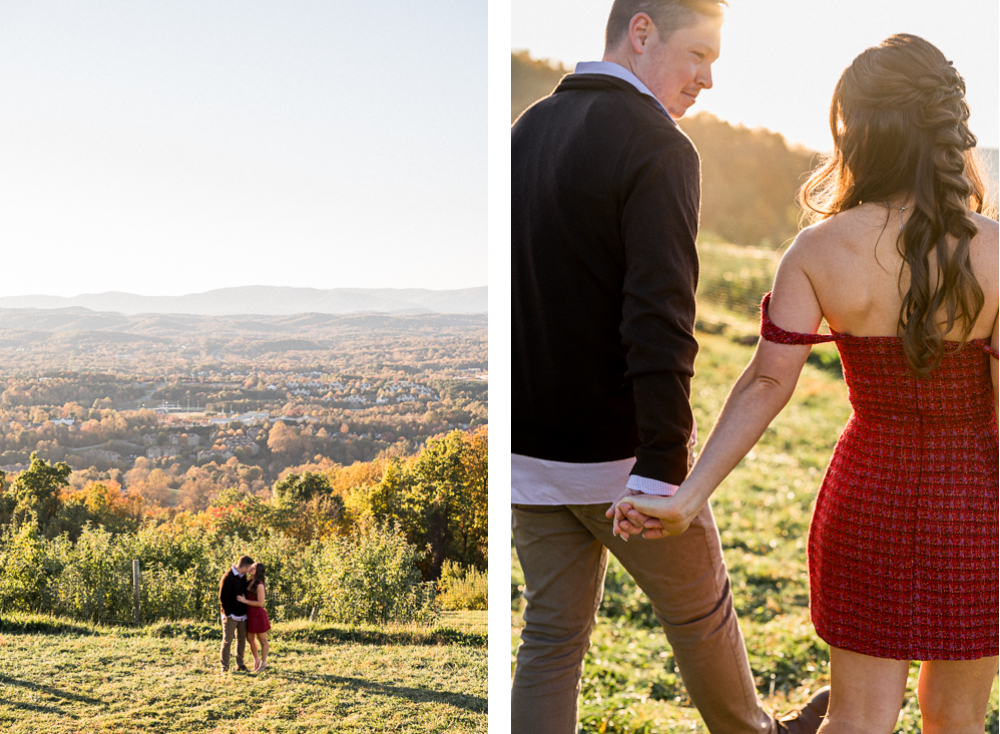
[[774, 333], [991, 351]]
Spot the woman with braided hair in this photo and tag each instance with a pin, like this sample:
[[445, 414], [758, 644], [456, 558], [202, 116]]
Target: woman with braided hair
[[903, 266], [257, 621]]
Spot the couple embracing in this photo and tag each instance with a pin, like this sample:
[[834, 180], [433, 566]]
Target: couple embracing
[[902, 265], [241, 598]]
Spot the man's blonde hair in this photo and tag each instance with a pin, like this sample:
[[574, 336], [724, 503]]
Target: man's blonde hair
[[668, 16]]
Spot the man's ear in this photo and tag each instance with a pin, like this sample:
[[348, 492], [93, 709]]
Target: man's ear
[[640, 28]]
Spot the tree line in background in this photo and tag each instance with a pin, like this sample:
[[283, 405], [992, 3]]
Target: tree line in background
[[390, 539], [749, 177]]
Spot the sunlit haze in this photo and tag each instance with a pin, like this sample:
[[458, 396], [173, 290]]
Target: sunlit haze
[[781, 58], [177, 147]]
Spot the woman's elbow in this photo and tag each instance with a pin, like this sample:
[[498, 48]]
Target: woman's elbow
[[771, 388]]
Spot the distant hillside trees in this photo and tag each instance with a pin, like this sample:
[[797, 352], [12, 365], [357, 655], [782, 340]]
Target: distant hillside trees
[[439, 499], [749, 181], [530, 80]]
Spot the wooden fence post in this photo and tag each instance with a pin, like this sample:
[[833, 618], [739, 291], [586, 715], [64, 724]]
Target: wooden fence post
[[135, 588]]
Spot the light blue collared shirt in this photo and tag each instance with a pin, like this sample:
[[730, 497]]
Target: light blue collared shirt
[[610, 68]]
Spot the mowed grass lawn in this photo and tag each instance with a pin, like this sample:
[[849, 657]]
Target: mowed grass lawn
[[763, 510], [62, 677]]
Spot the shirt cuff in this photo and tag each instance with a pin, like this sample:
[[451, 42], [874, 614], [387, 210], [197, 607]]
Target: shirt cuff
[[650, 486]]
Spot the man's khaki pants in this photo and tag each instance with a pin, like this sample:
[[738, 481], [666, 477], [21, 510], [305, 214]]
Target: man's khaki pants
[[564, 553], [229, 628]]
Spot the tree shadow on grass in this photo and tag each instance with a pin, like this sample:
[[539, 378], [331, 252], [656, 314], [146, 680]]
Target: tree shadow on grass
[[38, 625], [474, 704], [35, 708], [49, 690]]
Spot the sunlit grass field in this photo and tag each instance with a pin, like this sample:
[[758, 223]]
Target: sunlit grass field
[[63, 677], [763, 511]]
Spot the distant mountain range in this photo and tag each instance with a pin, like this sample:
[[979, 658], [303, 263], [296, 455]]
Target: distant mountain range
[[270, 301]]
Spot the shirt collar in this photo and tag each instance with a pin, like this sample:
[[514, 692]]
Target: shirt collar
[[610, 68], [236, 572]]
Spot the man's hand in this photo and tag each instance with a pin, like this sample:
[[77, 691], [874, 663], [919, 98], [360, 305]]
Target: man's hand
[[628, 521]]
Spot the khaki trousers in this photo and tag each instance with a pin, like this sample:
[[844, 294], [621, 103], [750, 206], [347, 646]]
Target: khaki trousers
[[229, 628], [564, 553]]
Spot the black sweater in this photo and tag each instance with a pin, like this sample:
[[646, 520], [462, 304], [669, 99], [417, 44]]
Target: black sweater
[[230, 588], [605, 193]]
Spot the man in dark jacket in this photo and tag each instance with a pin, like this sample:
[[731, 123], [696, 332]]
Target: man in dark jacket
[[234, 613], [605, 197]]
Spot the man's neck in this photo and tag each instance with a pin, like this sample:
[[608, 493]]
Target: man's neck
[[618, 56]]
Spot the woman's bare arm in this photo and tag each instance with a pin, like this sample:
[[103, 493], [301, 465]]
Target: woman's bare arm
[[260, 598], [758, 396]]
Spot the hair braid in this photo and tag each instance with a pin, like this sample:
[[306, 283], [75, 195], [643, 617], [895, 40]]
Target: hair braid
[[942, 225]]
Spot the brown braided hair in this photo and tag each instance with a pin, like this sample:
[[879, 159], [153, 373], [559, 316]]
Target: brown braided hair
[[899, 122]]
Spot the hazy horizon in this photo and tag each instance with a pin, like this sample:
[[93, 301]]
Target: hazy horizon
[[261, 300]]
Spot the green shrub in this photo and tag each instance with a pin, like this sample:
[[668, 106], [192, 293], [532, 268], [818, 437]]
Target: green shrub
[[96, 579], [25, 570], [371, 578], [462, 588]]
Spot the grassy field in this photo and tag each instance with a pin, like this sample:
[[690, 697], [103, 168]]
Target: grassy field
[[763, 510], [62, 677]]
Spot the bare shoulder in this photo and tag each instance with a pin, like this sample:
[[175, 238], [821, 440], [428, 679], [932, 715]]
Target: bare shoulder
[[988, 237], [985, 223], [811, 244], [986, 249]]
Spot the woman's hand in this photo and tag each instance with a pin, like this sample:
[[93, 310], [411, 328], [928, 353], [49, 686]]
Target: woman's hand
[[653, 516], [241, 599], [634, 524]]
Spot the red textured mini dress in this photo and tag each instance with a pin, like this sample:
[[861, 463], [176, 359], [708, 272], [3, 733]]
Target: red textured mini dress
[[257, 620], [903, 542]]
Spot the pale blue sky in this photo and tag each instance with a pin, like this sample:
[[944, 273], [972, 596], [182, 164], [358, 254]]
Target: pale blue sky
[[781, 58], [175, 147]]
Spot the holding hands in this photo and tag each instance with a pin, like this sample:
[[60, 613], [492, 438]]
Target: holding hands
[[652, 516]]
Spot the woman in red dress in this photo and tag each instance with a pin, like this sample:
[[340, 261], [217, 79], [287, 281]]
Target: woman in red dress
[[903, 546], [257, 621]]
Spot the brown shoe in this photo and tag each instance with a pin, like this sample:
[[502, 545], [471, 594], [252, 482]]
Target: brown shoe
[[807, 718]]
